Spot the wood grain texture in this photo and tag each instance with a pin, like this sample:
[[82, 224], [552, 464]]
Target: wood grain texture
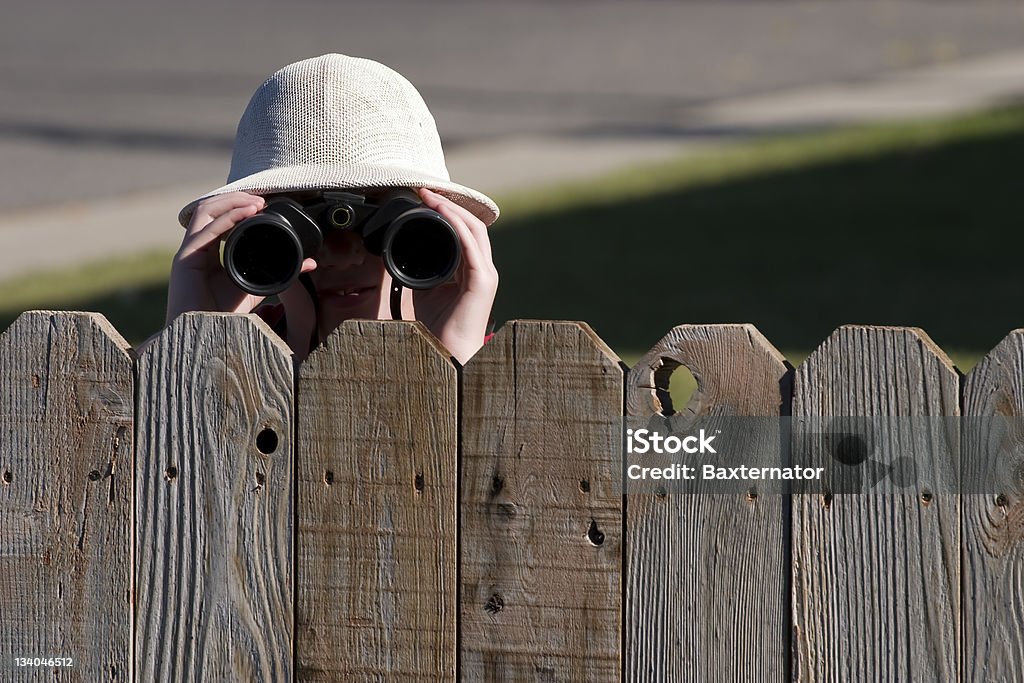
[[377, 509], [993, 515], [707, 574], [214, 508], [541, 511], [65, 497], [876, 574]]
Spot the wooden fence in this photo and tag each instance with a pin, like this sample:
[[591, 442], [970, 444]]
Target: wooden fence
[[198, 510]]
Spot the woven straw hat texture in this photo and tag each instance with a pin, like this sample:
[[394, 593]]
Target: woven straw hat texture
[[339, 122]]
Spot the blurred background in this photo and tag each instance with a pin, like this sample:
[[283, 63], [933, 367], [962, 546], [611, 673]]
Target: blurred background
[[796, 165]]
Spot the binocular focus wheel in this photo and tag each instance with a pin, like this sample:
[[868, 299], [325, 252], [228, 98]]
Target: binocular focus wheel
[[341, 216]]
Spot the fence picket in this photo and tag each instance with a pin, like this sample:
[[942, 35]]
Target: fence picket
[[377, 506], [876, 574], [541, 511], [65, 497], [993, 515], [706, 595], [214, 502]]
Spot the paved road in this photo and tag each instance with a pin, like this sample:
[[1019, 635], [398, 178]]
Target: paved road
[[112, 97]]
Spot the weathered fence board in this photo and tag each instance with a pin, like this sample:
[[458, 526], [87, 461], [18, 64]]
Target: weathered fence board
[[541, 511], [65, 497], [401, 522], [214, 502], [707, 591], [993, 515], [877, 574], [377, 492]]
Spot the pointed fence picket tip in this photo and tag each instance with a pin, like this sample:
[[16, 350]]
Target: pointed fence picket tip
[[387, 329], [843, 331], [1013, 339], [648, 380], [28, 319], [508, 329], [229, 322]]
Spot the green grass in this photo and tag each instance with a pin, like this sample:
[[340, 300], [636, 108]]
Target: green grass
[[906, 224]]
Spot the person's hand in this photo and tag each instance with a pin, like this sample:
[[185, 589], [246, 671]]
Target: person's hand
[[198, 282], [458, 312]]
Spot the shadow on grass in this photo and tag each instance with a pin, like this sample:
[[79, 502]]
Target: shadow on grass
[[929, 237]]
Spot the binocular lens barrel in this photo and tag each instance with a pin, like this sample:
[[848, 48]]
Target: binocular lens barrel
[[421, 250], [263, 255]]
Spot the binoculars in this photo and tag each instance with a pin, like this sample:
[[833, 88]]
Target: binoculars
[[263, 254]]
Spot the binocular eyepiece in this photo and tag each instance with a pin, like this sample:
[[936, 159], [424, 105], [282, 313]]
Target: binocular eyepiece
[[263, 254]]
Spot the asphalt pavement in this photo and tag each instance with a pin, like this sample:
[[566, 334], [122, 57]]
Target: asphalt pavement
[[114, 114]]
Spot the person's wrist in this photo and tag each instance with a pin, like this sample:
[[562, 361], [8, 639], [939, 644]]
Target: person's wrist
[[463, 344]]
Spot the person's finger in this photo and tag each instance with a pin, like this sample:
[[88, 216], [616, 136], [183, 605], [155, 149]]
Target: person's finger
[[213, 232], [473, 256], [210, 209], [470, 247], [476, 226], [308, 266], [220, 204], [430, 197]]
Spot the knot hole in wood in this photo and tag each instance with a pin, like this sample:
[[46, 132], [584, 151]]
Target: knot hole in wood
[[674, 386]]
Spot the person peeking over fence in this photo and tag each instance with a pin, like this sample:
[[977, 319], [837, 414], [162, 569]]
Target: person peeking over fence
[[339, 202]]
